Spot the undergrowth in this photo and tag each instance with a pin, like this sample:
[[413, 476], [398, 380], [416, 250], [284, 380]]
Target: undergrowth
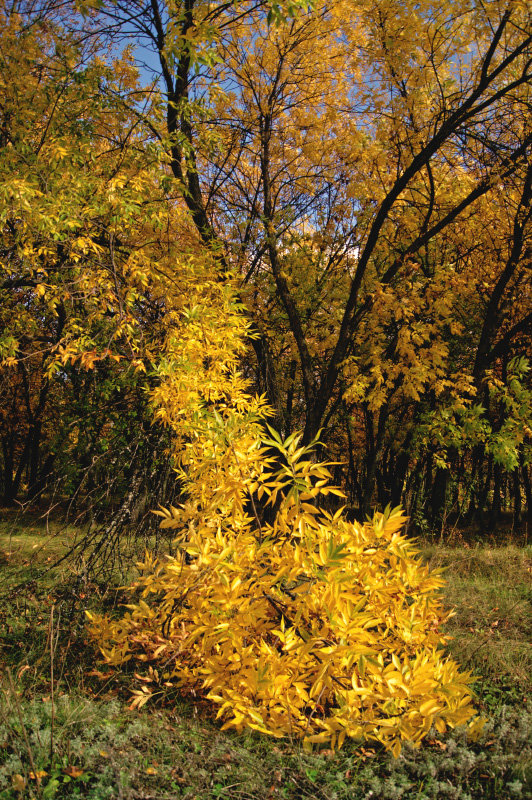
[[102, 750], [96, 747]]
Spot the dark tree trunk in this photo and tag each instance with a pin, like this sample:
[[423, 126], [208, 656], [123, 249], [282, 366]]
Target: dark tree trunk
[[13, 475], [398, 477], [483, 494], [34, 454], [42, 479], [496, 504], [528, 489], [382, 498], [438, 500], [516, 484]]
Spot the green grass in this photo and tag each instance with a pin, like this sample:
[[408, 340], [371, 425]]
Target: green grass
[[103, 750], [30, 546], [98, 748], [490, 590]]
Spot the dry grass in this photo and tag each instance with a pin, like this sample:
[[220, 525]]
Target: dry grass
[[490, 590]]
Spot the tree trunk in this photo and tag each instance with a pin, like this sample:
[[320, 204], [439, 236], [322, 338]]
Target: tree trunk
[[496, 504], [438, 501], [517, 496], [528, 489]]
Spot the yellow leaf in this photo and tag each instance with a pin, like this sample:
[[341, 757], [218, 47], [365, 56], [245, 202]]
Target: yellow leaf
[[18, 783], [36, 776]]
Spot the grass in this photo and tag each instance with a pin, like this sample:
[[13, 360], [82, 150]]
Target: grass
[[75, 737], [490, 590], [102, 750]]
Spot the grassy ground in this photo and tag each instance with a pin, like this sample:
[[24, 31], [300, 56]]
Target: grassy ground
[[490, 590], [66, 730]]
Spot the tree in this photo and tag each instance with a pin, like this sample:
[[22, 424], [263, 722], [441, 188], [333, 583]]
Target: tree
[[357, 189], [125, 257], [367, 254], [328, 182], [97, 262]]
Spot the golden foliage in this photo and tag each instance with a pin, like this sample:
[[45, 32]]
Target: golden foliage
[[309, 626]]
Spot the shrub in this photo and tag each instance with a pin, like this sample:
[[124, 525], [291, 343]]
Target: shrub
[[308, 626]]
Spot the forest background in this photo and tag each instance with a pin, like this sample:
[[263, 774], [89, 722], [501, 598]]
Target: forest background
[[359, 174]]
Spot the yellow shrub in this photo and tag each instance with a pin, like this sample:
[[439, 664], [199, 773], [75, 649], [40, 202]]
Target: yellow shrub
[[307, 626], [310, 626]]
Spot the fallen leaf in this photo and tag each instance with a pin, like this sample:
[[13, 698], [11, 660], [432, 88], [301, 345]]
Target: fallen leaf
[[22, 670], [73, 772], [437, 743], [36, 776], [143, 678], [100, 675], [18, 783]]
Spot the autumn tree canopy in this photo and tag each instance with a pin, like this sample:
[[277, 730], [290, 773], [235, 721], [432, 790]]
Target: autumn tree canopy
[[359, 172]]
